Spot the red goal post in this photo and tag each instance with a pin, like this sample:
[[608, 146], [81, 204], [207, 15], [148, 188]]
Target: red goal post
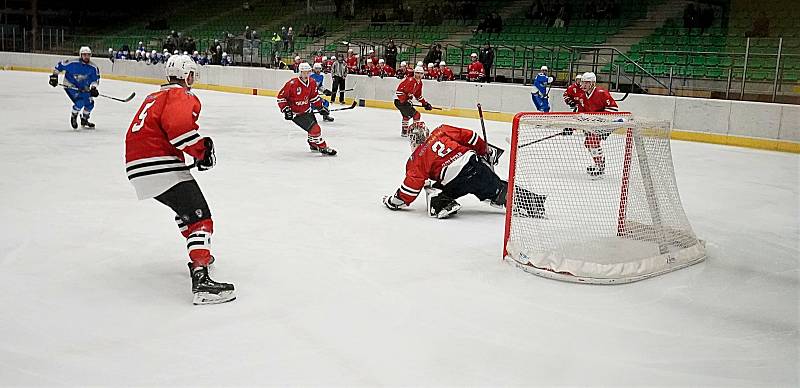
[[625, 225]]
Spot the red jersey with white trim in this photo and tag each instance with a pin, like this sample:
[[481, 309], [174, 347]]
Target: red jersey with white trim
[[165, 126], [433, 73], [446, 147], [403, 72], [326, 67], [352, 64], [299, 95], [371, 69], [475, 71], [385, 70], [409, 89], [318, 59], [447, 74], [572, 94], [599, 100]]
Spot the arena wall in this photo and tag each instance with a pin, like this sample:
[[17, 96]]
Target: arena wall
[[740, 123]]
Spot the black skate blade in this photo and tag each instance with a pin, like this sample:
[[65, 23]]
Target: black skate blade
[[201, 298]]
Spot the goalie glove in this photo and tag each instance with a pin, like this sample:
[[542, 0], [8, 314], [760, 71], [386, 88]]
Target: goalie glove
[[53, 80], [393, 203], [209, 157]]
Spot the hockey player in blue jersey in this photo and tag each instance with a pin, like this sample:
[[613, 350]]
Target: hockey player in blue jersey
[[319, 78], [81, 77], [539, 94]]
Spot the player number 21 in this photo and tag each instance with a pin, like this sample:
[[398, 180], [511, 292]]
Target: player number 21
[[142, 115]]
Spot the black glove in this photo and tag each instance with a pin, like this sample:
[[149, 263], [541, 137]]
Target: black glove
[[53, 80], [287, 113], [393, 202], [209, 159], [427, 105], [326, 92], [324, 111], [93, 92], [369, 74]]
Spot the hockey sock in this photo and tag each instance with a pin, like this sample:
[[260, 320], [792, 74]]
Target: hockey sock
[[416, 116], [405, 124], [198, 241], [315, 137], [592, 143]]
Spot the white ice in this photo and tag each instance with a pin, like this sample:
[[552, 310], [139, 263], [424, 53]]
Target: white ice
[[334, 289]]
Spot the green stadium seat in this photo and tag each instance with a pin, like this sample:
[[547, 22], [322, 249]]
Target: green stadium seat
[[698, 60], [715, 72], [790, 76]]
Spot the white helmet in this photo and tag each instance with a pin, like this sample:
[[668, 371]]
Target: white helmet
[[195, 52], [417, 134], [304, 67], [442, 64], [317, 66], [381, 61], [403, 64], [420, 64], [349, 50], [371, 51], [419, 69], [589, 76], [176, 52], [333, 57], [185, 53], [180, 66], [297, 58], [152, 52], [324, 58], [110, 49], [544, 68], [369, 60], [578, 77], [430, 65], [224, 54], [473, 55], [140, 43], [85, 50]]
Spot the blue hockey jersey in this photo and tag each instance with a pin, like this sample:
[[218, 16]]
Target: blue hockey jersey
[[78, 74], [540, 84], [318, 78]]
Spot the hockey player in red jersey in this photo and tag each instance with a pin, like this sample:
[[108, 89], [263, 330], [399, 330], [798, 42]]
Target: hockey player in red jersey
[[475, 72], [594, 99], [410, 88], [296, 100], [457, 161], [352, 62], [433, 72], [445, 73], [403, 71], [326, 67], [384, 70], [573, 93], [370, 69], [163, 129]]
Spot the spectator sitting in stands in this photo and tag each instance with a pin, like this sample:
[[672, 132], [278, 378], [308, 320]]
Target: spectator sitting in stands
[[226, 60]]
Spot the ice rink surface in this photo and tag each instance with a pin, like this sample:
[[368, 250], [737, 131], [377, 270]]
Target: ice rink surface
[[334, 289]]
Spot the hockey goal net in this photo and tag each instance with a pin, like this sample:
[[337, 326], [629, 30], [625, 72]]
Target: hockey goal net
[[612, 215]]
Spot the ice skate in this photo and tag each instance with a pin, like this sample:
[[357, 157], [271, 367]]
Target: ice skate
[[74, 121], [207, 291], [327, 118], [85, 123]]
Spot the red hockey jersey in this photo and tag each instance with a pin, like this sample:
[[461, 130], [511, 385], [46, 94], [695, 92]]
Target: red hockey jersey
[[385, 71], [433, 73], [409, 89], [475, 71], [371, 70], [352, 64], [318, 59], [165, 127], [299, 95], [599, 100], [447, 74], [446, 151], [572, 94], [403, 72]]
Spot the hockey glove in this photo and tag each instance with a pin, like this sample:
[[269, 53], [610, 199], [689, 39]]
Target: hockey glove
[[209, 158], [392, 202], [324, 111], [93, 92], [493, 154], [327, 92], [427, 105], [53, 80], [287, 113]]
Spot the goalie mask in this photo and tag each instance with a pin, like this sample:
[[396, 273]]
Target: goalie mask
[[417, 134]]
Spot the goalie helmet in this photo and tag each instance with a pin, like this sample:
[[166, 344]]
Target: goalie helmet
[[417, 134], [180, 66]]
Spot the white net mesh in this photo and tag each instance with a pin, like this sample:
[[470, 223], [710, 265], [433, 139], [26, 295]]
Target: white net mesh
[[612, 214]]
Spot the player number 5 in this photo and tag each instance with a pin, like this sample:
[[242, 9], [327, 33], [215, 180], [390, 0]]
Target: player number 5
[[137, 125]]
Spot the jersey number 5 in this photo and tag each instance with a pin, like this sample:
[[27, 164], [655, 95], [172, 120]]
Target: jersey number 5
[[137, 125]]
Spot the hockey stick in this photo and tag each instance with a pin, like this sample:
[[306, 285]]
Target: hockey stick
[[499, 151], [433, 107], [133, 94], [338, 109], [562, 133]]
